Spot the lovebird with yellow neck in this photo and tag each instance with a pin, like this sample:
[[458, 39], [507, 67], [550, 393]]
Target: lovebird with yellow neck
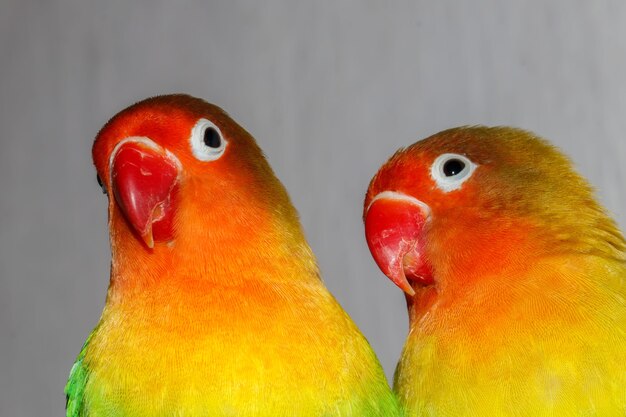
[[215, 305], [514, 275]]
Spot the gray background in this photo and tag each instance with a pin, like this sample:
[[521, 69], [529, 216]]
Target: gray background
[[329, 88]]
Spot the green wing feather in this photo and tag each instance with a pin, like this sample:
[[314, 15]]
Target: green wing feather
[[75, 387]]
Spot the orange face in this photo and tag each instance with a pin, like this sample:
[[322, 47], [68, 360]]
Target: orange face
[[176, 162], [416, 188], [468, 201]]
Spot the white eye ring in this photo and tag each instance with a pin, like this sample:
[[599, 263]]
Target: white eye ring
[[200, 146], [451, 170]]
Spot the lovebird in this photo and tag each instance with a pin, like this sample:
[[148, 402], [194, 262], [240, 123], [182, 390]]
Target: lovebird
[[215, 305], [514, 276]]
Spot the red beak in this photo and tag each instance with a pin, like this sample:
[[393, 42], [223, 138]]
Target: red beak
[[394, 226], [144, 177]]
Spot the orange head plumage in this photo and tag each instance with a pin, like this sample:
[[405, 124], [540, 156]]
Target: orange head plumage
[[472, 201], [182, 176], [215, 304]]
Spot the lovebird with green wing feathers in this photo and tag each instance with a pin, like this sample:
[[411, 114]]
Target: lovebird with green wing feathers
[[215, 305], [514, 276]]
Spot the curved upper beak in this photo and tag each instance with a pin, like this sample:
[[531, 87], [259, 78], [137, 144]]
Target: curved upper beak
[[394, 226], [144, 177]]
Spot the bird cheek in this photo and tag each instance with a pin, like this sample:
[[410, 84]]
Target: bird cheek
[[144, 180]]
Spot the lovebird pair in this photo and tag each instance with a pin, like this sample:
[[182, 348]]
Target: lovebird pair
[[514, 276]]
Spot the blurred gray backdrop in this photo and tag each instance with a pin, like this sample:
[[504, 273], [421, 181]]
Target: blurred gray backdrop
[[329, 89]]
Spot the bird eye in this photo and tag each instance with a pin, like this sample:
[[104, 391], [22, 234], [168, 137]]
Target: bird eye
[[451, 170], [207, 142], [453, 167], [101, 184], [212, 139]]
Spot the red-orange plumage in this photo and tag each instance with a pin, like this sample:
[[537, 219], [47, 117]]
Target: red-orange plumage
[[526, 313], [224, 314]]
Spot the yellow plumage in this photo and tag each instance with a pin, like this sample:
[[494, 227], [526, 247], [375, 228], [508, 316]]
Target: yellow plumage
[[215, 306], [526, 315]]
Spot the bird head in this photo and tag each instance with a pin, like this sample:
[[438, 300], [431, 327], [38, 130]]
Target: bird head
[[472, 201], [182, 176]]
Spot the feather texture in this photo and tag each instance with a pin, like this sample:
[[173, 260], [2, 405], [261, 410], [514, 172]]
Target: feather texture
[[527, 312], [229, 317]]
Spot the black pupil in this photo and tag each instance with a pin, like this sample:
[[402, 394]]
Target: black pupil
[[212, 138], [453, 167]]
